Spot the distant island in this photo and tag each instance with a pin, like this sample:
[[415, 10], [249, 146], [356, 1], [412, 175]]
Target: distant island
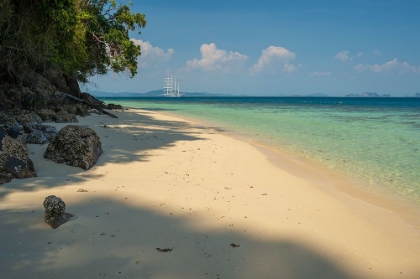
[[367, 94]]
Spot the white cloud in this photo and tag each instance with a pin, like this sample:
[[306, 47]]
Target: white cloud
[[376, 52], [274, 56], [214, 59], [289, 68], [388, 66], [343, 56], [359, 54], [150, 54], [320, 74]]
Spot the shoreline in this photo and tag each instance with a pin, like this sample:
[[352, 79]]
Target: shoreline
[[166, 182], [374, 195]]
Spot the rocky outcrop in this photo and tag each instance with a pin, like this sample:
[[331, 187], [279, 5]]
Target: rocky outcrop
[[10, 125], [114, 107], [14, 159], [63, 82], [63, 116], [28, 117], [77, 146], [39, 134], [66, 114]]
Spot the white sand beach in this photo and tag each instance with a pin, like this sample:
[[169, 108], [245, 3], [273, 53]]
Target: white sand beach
[[164, 182]]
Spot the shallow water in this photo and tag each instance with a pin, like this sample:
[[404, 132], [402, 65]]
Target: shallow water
[[374, 140]]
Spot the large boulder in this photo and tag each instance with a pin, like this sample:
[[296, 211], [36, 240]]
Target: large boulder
[[77, 146], [14, 159]]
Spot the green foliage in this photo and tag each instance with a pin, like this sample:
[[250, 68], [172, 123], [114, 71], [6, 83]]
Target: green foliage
[[107, 37], [81, 37]]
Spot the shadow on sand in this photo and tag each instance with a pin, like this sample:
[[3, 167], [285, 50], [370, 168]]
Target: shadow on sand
[[108, 238]]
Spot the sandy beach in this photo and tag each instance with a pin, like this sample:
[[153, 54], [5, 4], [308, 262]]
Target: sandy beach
[[221, 204]]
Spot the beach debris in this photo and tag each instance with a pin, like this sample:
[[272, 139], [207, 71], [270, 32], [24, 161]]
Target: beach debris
[[55, 214], [233, 245], [82, 190], [165, 249]]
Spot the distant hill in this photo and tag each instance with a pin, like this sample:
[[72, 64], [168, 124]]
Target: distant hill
[[153, 93], [368, 94], [317, 95]]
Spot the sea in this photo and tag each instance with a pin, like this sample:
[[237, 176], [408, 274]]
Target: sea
[[372, 142]]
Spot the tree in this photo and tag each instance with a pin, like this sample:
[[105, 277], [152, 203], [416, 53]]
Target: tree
[[106, 30], [81, 37]]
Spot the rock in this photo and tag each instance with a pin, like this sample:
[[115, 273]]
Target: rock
[[10, 124], [114, 106], [47, 115], [77, 146], [65, 117], [63, 82], [28, 117], [41, 90], [91, 99], [55, 214], [14, 159], [39, 134]]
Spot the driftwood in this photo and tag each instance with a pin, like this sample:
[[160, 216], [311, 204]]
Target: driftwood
[[90, 105]]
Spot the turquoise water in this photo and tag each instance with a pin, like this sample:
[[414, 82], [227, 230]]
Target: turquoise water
[[375, 141]]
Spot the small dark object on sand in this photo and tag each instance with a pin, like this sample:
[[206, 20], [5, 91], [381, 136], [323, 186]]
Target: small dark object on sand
[[82, 190], [54, 211], [165, 250], [235, 245]]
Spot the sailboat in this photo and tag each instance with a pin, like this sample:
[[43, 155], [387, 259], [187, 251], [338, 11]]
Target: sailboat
[[168, 88]]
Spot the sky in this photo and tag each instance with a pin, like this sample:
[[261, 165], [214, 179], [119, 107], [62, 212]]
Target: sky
[[278, 47]]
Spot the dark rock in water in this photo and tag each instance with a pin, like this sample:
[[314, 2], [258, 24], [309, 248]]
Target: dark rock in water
[[114, 106], [14, 159], [76, 146], [39, 134], [55, 214]]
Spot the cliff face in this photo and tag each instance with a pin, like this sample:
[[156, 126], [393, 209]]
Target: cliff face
[[37, 91]]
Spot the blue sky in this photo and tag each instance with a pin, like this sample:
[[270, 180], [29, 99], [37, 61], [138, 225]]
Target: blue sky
[[276, 47]]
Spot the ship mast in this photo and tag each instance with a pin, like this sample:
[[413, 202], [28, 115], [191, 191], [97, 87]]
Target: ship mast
[[168, 86]]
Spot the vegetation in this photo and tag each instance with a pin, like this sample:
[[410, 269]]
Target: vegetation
[[81, 37]]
